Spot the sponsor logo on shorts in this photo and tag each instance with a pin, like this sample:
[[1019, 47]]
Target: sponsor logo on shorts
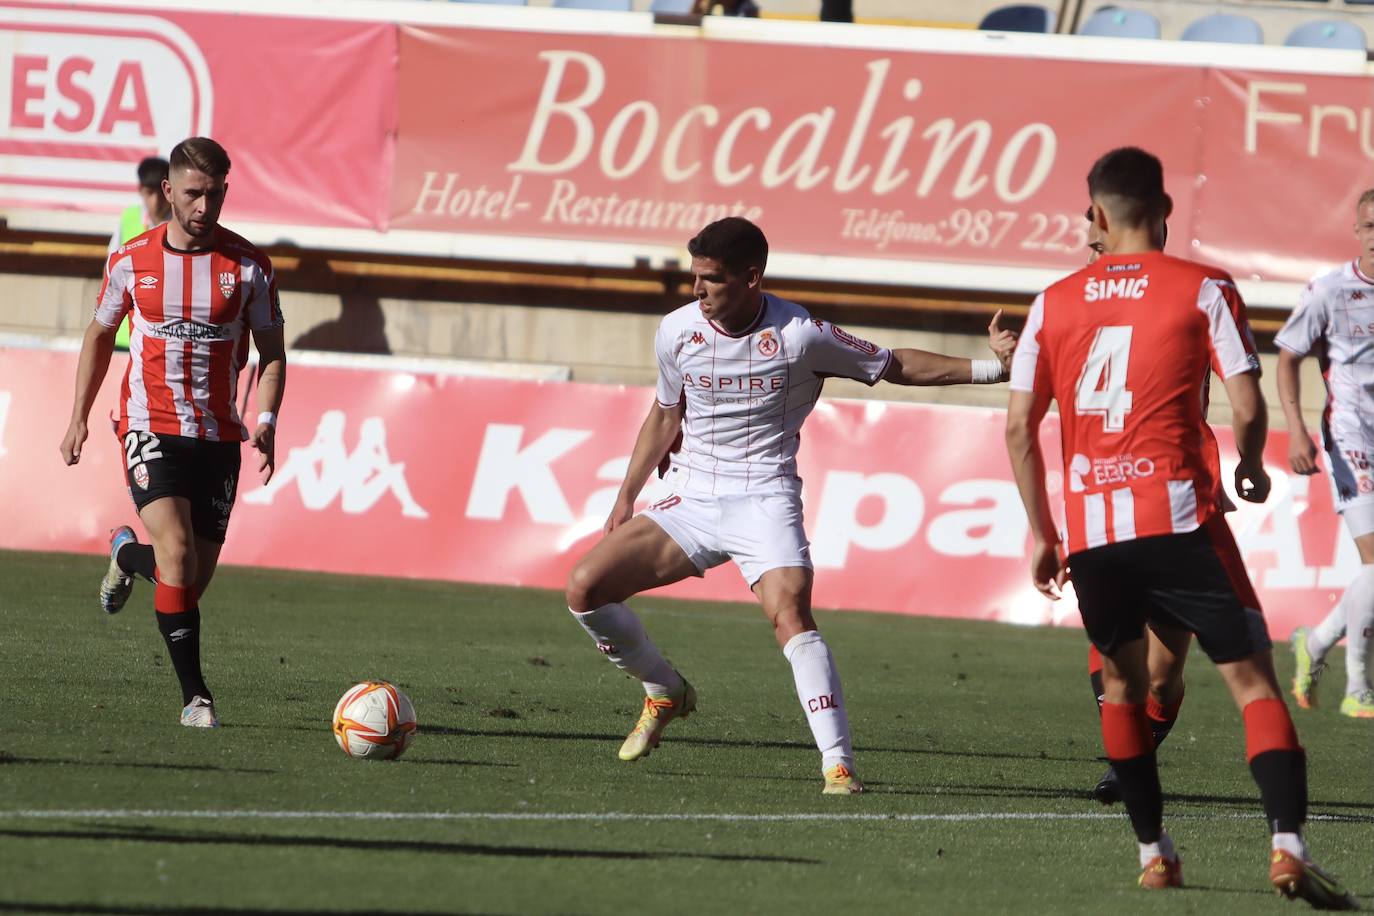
[[768, 344], [228, 282], [141, 475], [185, 329]]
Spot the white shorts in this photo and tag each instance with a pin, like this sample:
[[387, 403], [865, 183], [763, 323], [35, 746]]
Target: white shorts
[[1352, 483], [758, 532]]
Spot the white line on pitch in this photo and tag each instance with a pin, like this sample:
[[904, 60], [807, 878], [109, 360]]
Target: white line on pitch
[[238, 814]]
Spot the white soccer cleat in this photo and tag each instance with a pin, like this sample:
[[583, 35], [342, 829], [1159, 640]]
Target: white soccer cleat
[[199, 713], [117, 585]]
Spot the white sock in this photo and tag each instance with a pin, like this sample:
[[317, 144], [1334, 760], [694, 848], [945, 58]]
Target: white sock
[[1290, 843], [818, 689], [1330, 631], [1359, 621], [1163, 847], [621, 638]]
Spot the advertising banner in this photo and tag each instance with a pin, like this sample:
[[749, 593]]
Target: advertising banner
[[910, 508]]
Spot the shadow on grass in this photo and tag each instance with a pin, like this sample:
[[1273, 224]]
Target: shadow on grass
[[184, 838], [142, 910], [6, 759], [737, 742], [440, 761]]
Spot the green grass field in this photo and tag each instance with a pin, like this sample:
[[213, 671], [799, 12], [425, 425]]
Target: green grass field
[[512, 800]]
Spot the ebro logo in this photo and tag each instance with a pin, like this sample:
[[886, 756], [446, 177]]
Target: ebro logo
[[1115, 288], [84, 96]]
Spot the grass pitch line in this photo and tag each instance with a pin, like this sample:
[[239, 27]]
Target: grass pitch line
[[537, 816]]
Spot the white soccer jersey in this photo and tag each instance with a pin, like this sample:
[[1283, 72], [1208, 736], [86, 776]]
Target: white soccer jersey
[[1335, 317], [747, 395]]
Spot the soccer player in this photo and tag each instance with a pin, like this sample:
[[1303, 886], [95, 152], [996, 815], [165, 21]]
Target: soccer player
[[1335, 316], [738, 372], [1168, 647], [1121, 346], [195, 291]]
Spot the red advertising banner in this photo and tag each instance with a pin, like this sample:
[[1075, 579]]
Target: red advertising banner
[[305, 107], [501, 125], [911, 509]]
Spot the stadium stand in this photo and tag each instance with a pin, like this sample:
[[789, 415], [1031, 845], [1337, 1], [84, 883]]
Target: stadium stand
[[1019, 18], [1227, 28], [1120, 23], [607, 5], [1331, 33]]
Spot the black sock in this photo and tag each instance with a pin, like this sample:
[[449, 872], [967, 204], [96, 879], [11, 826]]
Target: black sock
[[1138, 779], [1160, 730], [137, 560], [181, 632], [1282, 780], [1098, 688]]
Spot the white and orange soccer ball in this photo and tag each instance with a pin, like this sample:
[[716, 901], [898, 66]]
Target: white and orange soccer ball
[[374, 721]]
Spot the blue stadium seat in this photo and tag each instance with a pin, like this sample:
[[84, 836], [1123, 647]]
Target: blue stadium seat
[[1225, 27], [1326, 33], [1019, 18], [679, 6], [1111, 22], [616, 5]]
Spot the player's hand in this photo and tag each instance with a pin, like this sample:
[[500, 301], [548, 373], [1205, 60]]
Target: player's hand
[[1001, 341], [264, 441], [1048, 571], [621, 512], [1302, 455], [1252, 481], [72, 442]]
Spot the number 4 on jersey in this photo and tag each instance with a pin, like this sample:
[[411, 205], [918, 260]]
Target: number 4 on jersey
[[1102, 385]]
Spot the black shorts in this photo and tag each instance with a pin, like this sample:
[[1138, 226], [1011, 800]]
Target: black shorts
[[204, 472], [1194, 582]]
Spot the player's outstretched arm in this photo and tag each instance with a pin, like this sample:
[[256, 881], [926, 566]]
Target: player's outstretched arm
[[91, 367], [271, 345], [656, 436], [1302, 451], [1025, 411], [920, 367], [1250, 424]]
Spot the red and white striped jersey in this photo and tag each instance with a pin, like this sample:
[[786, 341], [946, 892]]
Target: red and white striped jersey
[[191, 310], [1123, 345], [747, 394]]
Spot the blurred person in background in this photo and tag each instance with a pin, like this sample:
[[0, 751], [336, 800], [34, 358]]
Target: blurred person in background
[[136, 219]]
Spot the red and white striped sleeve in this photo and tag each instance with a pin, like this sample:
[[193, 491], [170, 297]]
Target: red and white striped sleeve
[[1026, 361], [1227, 337], [116, 293]]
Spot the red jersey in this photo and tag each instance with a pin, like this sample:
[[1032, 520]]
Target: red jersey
[[191, 310], [1124, 345]]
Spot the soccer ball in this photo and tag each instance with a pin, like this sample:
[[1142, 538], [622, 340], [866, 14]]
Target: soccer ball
[[374, 720]]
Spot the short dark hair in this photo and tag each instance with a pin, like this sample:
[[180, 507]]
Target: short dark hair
[[201, 154], [151, 172], [1134, 179], [734, 241]]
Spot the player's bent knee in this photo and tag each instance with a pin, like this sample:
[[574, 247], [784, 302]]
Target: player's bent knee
[[580, 589]]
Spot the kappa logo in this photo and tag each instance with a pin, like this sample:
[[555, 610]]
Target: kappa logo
[[697, 338], [1357, 294], [147, 282], [228, 282], [768, 344]]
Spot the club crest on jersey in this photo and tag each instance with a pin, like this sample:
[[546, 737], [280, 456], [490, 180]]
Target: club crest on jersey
[[141, 475], [768, 344], [228, 282]]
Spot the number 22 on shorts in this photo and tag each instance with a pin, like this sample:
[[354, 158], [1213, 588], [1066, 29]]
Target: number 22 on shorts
[[1102, 384], [140, 447]]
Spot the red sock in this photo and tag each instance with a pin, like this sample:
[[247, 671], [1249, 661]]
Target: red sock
[[1125, 731]]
